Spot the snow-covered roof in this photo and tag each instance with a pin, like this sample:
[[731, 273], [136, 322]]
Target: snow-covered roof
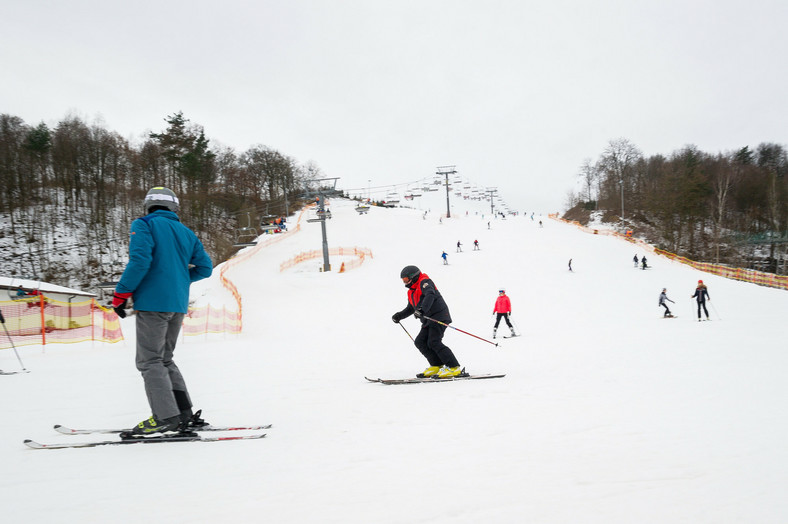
[[44, 287]]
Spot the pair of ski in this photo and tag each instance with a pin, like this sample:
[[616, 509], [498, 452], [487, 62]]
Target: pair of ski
[[430, 379], [195, 435]]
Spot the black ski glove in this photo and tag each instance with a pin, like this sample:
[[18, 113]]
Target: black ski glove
[[119, 301], [396, 317], [120, 310], [418, 314]]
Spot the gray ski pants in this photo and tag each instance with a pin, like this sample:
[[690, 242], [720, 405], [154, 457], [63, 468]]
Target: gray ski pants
[[157, 334]]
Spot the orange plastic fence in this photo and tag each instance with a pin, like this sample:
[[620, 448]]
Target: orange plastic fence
[[735, 273], [200, 321], [43, 320], [207, 319], [359, 252], [746, 275]]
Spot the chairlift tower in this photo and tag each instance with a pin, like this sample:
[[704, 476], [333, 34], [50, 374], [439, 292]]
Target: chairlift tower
[[492, 191], [321, 217], [446, 171]]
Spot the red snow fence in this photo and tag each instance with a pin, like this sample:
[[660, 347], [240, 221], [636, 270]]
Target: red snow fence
[[736, 273], [43, 320]]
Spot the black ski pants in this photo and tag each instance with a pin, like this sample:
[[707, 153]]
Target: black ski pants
[[667, 309], [430, 343], [702, 303], [505, 316]]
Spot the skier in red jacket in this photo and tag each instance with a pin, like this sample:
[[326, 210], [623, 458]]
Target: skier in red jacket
[[503, 308]]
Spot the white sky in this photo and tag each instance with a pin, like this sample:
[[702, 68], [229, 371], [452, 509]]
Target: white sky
[[514, 93]]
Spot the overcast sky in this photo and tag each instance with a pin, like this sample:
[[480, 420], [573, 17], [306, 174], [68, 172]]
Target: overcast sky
[[515, 93]]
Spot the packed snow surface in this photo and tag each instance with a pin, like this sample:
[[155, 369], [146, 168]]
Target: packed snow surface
[[608, 413]]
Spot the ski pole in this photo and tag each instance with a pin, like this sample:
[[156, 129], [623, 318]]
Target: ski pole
[[715, 310], [513, 324], [2, 321], [406, 331], [461, 331]]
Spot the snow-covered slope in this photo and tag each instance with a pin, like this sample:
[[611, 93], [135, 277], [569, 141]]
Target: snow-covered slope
[[608, 413]]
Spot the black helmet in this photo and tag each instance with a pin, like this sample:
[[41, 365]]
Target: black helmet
[[411, 273]]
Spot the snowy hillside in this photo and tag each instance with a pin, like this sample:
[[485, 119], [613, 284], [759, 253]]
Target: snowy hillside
[[608, 413]]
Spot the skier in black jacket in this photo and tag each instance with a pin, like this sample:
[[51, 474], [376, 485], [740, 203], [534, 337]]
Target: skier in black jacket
[[701, 295], [425, 300]]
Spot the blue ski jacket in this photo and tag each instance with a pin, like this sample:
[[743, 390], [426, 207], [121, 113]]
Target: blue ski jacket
[[165, 257]]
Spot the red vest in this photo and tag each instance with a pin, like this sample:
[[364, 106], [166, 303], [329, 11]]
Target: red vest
[[414, 291]]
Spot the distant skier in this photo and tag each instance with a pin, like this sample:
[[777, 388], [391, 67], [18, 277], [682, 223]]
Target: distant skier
[[459, 247], [635, 258], [540, 223], [643, 262], [424, 300], [570, 264], [476, 245], [502, 309], [701, 295], [445, 258], [663, 297]]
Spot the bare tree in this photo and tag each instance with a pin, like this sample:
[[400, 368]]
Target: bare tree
[[725, 173], [618, 163], [773, 158], [588, 174]]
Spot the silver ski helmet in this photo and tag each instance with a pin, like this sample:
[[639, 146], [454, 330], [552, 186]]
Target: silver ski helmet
[[162, 197], [411, 273]]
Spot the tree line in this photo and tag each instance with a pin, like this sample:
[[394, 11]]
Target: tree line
[[74, 189], [727, 207]]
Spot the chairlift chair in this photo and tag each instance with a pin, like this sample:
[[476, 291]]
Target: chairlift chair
[[245, 235]]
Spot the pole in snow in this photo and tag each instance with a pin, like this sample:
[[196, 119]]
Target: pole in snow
[[2, 321]]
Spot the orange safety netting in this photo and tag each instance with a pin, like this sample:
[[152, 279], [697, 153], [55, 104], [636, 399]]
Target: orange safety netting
[[746, 275], [42, 320], [735, 273], [200, 321], [359, 252]]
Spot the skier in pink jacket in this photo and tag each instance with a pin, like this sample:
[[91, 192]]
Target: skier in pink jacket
[[503, 308]]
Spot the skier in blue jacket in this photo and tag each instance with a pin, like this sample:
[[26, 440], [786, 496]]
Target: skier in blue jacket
[[165, 257]]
